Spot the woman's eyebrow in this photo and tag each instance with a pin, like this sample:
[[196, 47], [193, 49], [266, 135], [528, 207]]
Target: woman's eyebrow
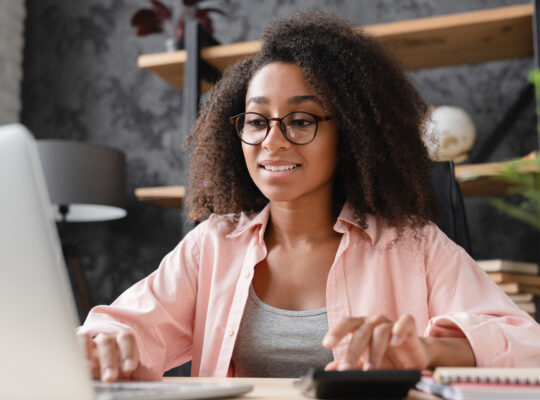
[[303, 99], [258, 100], [291, 100]]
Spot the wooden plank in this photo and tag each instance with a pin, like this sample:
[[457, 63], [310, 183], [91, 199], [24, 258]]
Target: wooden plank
[[477, 180], [168, 66], [464, 38], [166, 196]]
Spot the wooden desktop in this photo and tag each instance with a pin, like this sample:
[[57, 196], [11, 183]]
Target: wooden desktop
[[279, 388]]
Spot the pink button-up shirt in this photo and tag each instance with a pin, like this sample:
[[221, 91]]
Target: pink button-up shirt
[[191, 307]]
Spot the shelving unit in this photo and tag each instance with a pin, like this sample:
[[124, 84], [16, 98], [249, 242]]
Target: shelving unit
[[455, 39], [474, 181], [463, 38]]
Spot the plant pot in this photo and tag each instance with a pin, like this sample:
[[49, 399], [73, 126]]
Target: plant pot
[[172, 44]]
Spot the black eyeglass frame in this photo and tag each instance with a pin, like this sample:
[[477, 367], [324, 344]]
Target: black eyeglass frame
[[282, 126]]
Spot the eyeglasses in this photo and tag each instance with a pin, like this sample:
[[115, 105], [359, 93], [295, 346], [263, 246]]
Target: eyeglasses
[[298, 127]]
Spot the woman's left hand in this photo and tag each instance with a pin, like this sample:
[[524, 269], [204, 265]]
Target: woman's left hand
[[378, 342]]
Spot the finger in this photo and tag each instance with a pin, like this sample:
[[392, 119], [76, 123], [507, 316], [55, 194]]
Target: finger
[[332, 365], [342, 328], [405, 326], [379, 345], [108, 357], [360, 341], [128, 352], [88, 346]]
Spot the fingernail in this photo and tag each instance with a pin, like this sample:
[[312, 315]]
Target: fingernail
[[343, 366], [395, 341], [109, 374], [129, 364], [368, 366], [329, 341]]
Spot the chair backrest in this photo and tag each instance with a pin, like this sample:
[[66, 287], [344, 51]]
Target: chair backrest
[[453, 219]]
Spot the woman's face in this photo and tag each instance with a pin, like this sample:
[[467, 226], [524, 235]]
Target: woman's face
[[284, 171]]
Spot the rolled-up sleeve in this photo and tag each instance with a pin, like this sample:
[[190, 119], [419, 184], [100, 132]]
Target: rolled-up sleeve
[[465, 302], [158, 310]]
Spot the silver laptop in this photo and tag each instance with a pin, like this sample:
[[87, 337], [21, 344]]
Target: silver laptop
[[39, 354]]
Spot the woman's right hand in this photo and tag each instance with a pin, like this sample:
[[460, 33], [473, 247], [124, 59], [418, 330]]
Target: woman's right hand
[[115, 357]]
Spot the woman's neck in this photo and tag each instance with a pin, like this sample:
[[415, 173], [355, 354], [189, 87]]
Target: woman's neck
[[296, 223]]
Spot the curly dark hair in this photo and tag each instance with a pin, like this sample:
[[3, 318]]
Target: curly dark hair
[[383, 167]]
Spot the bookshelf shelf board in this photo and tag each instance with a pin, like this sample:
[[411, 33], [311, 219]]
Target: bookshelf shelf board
[[454, 39], [476, 180], [166, 196]]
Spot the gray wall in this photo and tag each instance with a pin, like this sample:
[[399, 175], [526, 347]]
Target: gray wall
[[81, 82]]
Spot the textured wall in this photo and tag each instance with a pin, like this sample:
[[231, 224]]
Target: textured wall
[[11, 54], [82, 82]]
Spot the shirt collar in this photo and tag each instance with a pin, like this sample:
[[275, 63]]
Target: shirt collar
[[251, 220], [344, 221]]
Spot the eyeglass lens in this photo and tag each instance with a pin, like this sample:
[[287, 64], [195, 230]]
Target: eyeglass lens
[[299, 127]]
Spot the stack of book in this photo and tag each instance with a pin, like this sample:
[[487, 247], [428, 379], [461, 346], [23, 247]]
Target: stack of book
[[519, 280], [456, 383]]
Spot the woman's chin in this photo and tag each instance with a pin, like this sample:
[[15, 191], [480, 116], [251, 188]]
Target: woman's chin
[[279, 196]]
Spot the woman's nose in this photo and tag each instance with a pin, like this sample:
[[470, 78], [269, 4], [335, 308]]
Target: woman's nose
[[275, 139]]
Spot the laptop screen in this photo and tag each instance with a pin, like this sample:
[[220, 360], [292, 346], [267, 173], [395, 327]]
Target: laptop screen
[[39, 350]]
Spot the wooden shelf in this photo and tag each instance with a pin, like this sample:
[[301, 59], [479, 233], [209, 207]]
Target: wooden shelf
[[477, 180], [455, 39], [166, 196]]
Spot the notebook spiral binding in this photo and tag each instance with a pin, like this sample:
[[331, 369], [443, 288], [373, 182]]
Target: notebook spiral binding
[[512, 376]]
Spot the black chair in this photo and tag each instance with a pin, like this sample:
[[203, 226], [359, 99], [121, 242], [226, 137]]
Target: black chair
[[453, 219]]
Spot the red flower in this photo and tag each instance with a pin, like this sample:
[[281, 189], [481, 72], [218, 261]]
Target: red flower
[[146, 21], [153, 20]]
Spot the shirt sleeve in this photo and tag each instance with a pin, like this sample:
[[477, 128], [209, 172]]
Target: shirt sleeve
[[158, 310], [465, 302]]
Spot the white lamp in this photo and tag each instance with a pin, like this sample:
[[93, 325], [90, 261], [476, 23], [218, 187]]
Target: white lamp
[[86, 182]]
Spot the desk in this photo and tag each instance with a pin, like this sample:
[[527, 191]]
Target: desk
[[279, 388]]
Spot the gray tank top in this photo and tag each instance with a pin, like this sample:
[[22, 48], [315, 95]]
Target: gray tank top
[[272, 342]]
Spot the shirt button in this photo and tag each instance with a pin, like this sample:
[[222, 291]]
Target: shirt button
[[229, 332], [247, 273]]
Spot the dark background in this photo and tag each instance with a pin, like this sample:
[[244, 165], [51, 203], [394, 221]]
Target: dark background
[[81, 82]]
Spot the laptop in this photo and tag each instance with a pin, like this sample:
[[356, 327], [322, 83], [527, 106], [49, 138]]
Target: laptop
[[39, 354]]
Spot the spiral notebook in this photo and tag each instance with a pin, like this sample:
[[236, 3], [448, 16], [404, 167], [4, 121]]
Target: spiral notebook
[[454, 383], [513, 376]]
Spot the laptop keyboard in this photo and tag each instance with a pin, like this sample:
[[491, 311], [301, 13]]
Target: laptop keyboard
[[164, 390], [142, 390]]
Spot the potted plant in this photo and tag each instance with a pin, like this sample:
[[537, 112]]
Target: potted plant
[[159, 19], [524, 176]]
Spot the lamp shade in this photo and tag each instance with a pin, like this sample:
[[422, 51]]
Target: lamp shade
[[88, 179]]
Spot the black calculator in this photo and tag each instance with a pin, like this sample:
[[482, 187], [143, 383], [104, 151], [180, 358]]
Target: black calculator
[[387, 384]]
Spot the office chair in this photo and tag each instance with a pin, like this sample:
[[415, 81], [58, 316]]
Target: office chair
[[453, 219]]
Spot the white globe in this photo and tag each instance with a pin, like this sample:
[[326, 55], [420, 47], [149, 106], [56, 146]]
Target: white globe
[[449, 134]]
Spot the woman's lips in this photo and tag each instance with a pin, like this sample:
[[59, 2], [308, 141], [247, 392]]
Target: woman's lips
[[278, 169]]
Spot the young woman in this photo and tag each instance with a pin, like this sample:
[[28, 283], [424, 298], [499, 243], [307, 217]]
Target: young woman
[[317, 246]]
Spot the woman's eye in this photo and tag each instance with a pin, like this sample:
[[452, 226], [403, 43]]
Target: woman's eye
[[256, 123], [301, 123]]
